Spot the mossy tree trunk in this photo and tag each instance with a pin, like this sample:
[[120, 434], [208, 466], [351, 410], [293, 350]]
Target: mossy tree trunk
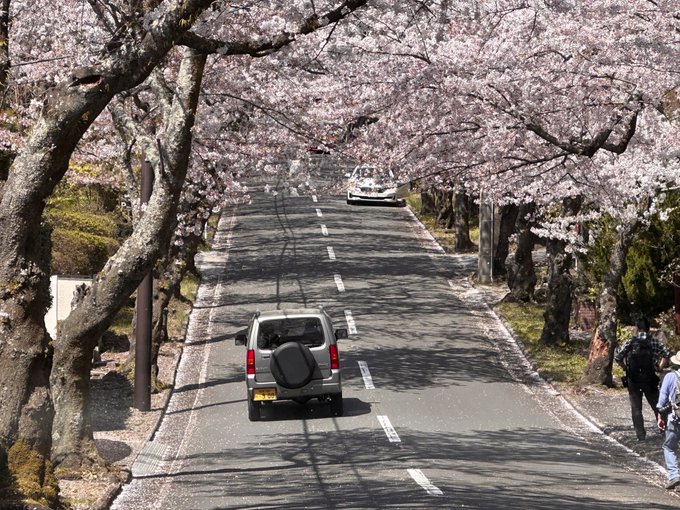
[[560, 285], [25, 406], [73, 445], [604, 342]]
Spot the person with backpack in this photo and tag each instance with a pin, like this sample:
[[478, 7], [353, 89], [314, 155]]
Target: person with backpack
[[669, 420], [641, 357]]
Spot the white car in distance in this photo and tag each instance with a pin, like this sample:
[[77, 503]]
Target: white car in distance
[[369, 184]]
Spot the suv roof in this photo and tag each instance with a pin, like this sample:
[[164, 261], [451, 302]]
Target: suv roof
[[290, 311]]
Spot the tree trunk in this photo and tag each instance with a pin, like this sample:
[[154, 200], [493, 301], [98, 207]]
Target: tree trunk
[[461, 206], [451, 218], [560, 285], [179, 263], [506, 228], [25, 357], [445, 215], [560, 288], [427, 201], [69, 110], [73, 444], [521, 271], [604, 342]]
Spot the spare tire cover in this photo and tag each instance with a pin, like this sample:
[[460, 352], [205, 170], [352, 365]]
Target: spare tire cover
[[292, 365]]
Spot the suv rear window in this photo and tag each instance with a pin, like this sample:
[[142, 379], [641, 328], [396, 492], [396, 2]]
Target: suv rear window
[[305, 330]]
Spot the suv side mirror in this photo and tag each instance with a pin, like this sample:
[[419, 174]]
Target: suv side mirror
[[340, 333], [241, 339]]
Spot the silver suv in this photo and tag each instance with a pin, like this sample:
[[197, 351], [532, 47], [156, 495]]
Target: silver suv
[[292, 355]]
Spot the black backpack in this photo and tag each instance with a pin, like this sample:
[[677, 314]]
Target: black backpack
[[640, 360]]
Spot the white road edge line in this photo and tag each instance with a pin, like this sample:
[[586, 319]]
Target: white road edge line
[[319, 213], [351, 325], [338, 283], [426, 484], [366, 375], [324, 231], [331, 252], [389, 429]]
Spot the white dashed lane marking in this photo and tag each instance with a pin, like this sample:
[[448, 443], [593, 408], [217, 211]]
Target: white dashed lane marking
[[351, 325], [389, 429], [315, 198], [319, 213], [324, 231], [339, 283], [426, 484], [366, 375], [331, 252]]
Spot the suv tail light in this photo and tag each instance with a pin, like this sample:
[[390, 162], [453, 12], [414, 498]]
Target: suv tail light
[[335, 358], [250, 362]]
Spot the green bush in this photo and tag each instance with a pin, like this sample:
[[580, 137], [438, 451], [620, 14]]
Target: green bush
[[645, 292], [75, 252], [95, 224], [645, 288]]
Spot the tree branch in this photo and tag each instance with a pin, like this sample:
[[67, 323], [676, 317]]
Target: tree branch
[[266, 47]]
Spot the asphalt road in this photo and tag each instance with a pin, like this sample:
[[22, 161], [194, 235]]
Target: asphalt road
[[435, 414]]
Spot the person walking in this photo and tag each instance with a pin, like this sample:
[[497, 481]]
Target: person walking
[[669, 421], [641, 357]]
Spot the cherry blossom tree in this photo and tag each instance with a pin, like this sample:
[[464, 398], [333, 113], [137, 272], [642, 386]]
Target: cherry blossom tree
[[529, 102], [125, 44]]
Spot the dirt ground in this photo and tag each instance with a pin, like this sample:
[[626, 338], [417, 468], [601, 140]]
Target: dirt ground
[[120, 430]]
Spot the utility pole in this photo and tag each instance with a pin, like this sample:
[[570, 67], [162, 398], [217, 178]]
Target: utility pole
[[144, 305], [486, 240]]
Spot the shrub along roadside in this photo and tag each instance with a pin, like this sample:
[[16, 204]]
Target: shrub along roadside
[[80, 253], [84, 234]]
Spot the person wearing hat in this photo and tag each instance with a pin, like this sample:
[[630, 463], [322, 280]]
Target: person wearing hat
[[669, 422]]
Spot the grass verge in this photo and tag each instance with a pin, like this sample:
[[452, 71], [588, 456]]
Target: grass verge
[[563, 363]]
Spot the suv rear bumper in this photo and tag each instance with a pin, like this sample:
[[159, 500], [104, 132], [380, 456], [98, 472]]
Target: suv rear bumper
[[315, 388]]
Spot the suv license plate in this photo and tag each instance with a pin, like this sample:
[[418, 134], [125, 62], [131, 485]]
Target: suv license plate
[[264, 394]]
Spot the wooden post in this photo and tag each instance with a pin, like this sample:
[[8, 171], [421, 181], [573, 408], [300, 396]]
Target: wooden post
[[144, 307]]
